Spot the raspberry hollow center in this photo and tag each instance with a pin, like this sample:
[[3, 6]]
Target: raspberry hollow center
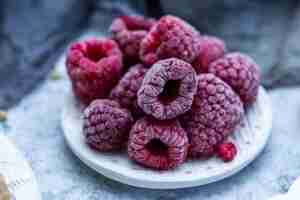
[[170, 91], [94, 53], [157, 147]]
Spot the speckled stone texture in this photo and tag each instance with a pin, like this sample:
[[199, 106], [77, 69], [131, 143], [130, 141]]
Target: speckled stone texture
[[39, 132]]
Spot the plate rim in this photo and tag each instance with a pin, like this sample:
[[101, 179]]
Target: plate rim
[[170, 184]]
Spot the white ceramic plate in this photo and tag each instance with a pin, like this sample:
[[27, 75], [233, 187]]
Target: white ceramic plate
[[250, 138], [17, 173]]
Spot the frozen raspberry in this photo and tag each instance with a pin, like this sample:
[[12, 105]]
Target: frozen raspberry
[[129, 31], [131, 23], [126, 90], [94, 67], [106, 125], [215, 113], [226, 151], [211, 48], [240, 72], [158, 144], [170, 37], [168, 89]]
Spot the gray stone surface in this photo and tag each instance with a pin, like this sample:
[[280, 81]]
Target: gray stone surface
[[34, 125]]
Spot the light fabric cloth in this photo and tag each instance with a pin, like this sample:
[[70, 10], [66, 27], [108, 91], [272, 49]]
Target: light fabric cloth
[[16, 174], [4, 191]]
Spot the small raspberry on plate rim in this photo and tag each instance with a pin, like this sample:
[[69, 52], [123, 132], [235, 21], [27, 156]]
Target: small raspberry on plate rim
[[158, 144], [94, 67], [168, 89], [226, 151]]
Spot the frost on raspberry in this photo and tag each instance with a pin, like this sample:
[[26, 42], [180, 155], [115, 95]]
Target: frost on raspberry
[[129, 31], [226, 151], [94, 67], [170, 37], [126, 90], [215, 113], [168, 89], [158, 144], [106, 125], [240, 72], [211, 48]]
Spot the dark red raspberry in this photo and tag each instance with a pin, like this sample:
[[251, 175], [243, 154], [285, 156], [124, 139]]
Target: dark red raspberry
[[158, 144], [215, 113], [168, 89], [129, 31], [240, 72], [226, 151], [170, 37], [211, 48], [126, 91], [94, 67], [106, 125]]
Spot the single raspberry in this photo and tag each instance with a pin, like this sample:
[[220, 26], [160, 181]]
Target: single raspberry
[[211, 48], [131, 23], [168, 89], [240, 72], [170, 37], [215, 113], [129, 31], [158, 144], [106, 125], [94, 67], [226, 151], [126, 90]]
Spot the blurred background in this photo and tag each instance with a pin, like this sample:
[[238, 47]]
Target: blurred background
[[33, 33]]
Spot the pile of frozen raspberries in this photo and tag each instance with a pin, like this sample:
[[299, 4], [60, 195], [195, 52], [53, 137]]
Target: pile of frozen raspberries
[[161, 90]]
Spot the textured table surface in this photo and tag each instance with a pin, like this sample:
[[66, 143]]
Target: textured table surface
[[34, 125]]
